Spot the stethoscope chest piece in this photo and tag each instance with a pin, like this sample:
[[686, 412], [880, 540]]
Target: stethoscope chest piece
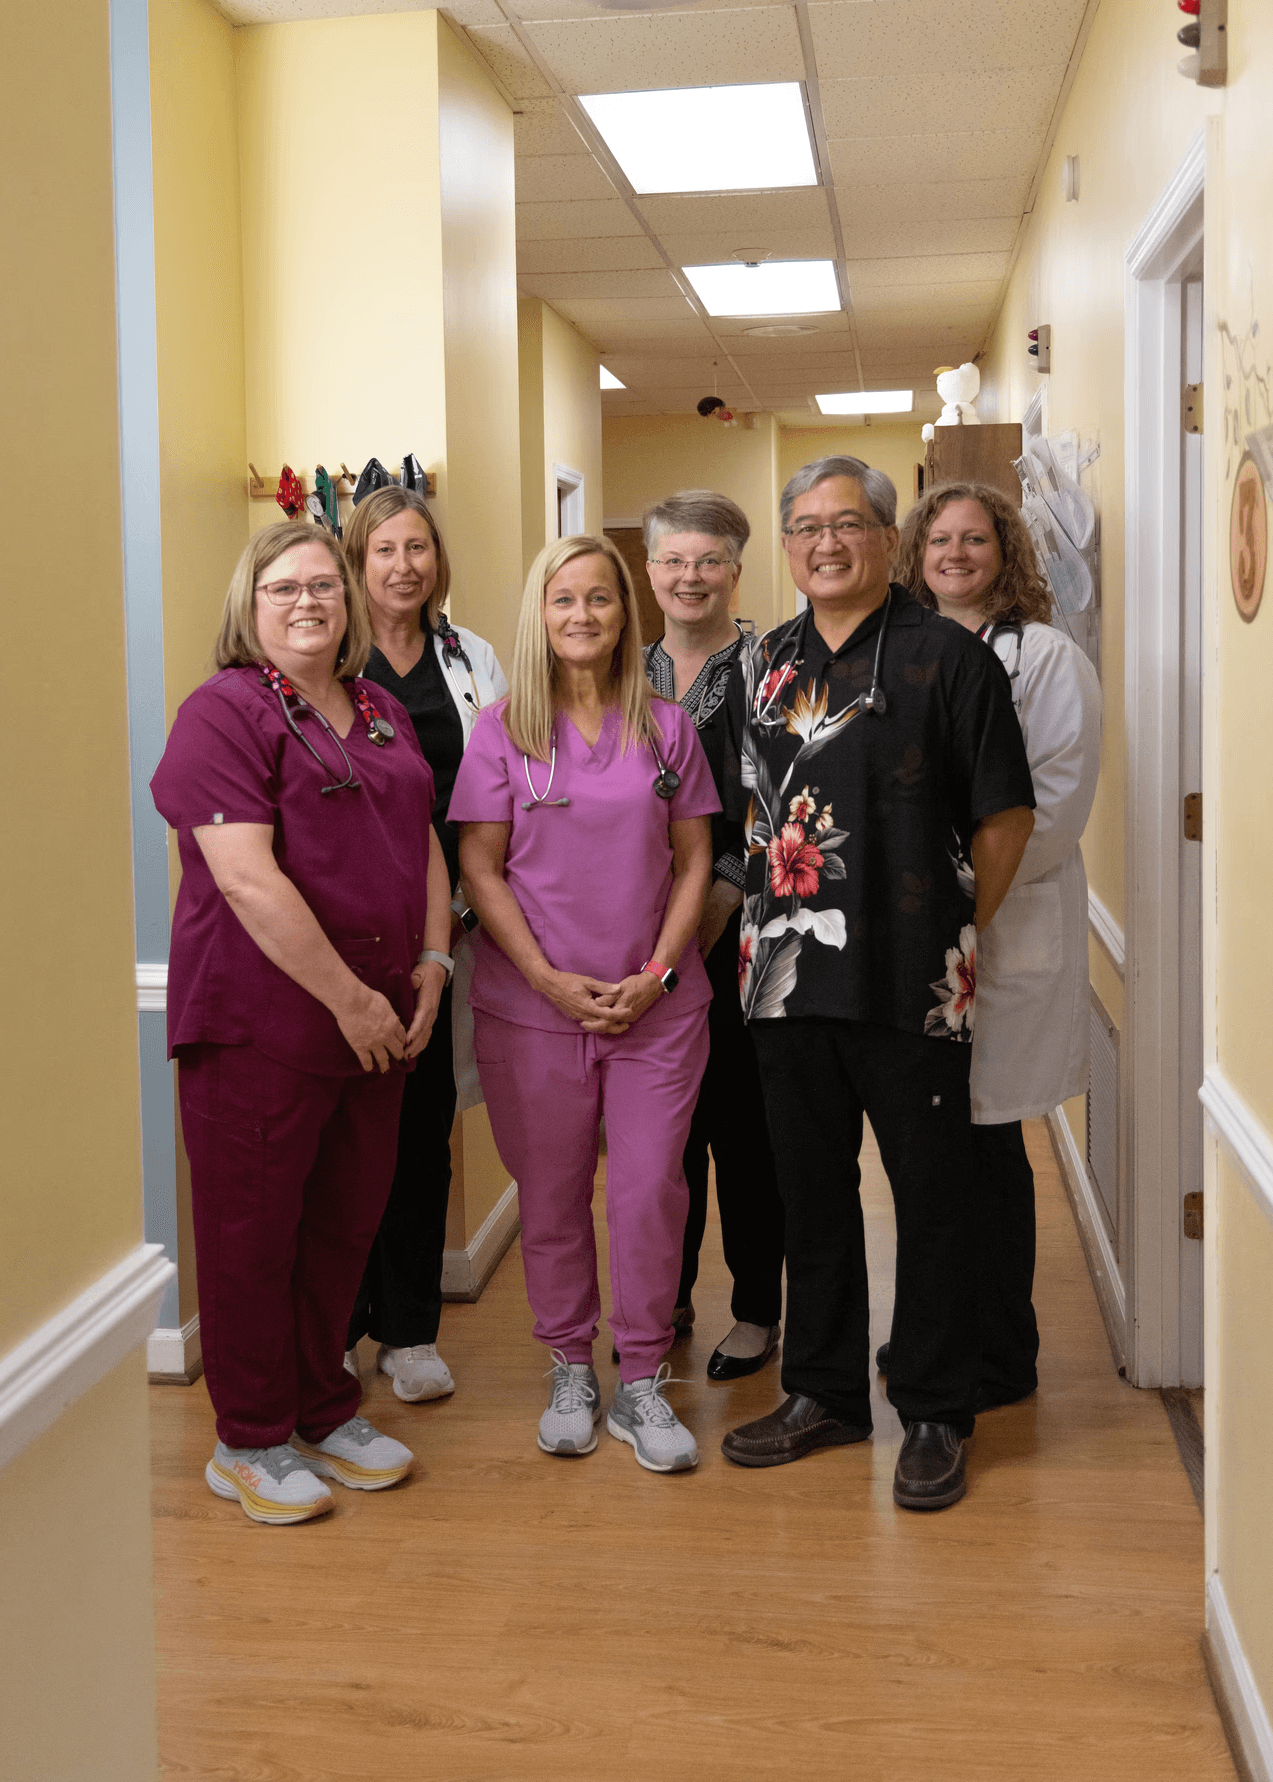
[[668, 783], [380, 732]]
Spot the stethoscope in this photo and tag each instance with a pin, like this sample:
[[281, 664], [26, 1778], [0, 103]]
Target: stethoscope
[[379, 731], [994, 628], [667, 784], [451, 648], [780, 674]]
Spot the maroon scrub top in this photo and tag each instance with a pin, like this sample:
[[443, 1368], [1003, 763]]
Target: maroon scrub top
[[360, 859]]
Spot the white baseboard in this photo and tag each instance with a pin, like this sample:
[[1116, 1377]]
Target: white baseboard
[[465, 1272], [79, 1346], [175, 1355], [1102, 1263], [1245, 1716]]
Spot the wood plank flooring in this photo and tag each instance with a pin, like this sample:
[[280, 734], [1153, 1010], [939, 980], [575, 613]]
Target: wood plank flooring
[[506, 1616]]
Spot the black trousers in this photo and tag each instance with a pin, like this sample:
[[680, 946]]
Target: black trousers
[[728, 1121], [1003, 1197], [820, 1078], [400, 1299]]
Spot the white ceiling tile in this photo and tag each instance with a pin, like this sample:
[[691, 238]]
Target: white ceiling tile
[[901, 235], [1015, 99], [583, 219], [594, 315], [710, 248], [498, 46], [543, 127], [607, 253], [955, 41], [556, 287], [928, 269], [936, 200], [923, 300], [836, 323], [543, 178], [672, 49], [465, 13], [740, 214], [956, 155], [569, 11]]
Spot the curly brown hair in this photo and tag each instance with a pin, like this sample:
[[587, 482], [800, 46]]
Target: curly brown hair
[[1018, 594]]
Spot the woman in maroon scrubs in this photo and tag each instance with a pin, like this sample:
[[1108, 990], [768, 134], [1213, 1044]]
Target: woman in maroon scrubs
[[307, 961]]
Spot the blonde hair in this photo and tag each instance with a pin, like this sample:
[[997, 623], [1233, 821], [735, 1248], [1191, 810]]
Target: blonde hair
[[239, 642], [1018, 595], [532, 700], [372, 512]]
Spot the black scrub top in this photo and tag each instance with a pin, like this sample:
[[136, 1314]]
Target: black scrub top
[[424, 692]]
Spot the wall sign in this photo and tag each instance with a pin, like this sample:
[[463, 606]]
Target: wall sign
[[1248, 539]]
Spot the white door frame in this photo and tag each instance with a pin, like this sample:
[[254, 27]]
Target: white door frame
[[568, 500], [1154, 266]]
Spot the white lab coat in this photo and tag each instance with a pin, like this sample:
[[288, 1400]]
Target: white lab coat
[[1030, 1041], [470, 695]]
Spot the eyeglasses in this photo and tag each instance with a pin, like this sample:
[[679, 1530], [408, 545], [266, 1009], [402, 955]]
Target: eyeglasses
[[704, 565], [844, 530], [288, 593]]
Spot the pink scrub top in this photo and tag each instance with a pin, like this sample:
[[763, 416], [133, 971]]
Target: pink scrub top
[[593, 877], [360, 859]]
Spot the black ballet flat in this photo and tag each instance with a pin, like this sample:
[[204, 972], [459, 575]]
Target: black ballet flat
[[737, 1367]]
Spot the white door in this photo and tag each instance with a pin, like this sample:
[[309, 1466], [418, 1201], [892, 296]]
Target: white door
[[1189, 842]]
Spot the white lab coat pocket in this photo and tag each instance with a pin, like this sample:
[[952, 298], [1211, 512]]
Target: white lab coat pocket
[[1023, 943]]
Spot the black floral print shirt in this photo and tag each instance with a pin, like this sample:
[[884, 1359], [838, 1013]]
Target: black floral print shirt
[[859, 895], [705, 703]]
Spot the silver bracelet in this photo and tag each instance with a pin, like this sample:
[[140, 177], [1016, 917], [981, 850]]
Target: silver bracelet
[[443, 959]]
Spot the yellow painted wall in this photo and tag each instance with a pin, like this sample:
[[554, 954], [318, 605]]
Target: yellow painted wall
[[560, 421], [78, 1656], [649, 456], [480, 488], [76, 1638], [199, 318], [341, 216], [1130, 118]]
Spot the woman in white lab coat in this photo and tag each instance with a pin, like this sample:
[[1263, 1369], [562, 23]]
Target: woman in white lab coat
[[965, 551]]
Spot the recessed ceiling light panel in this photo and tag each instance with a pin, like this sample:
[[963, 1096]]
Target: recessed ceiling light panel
[[708, 139], [868, 402], [778, 288], [609, 381]]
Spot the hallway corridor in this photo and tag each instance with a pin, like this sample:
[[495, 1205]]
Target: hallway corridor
[[509, 1617]]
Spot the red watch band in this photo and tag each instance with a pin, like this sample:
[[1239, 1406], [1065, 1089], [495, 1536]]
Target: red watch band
[[653, 966]]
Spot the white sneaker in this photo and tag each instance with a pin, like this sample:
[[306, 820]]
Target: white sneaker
[[272, 1484], [357, 1456], [351, 1363], [641, 1416], [566, 1427], [416, 1373]]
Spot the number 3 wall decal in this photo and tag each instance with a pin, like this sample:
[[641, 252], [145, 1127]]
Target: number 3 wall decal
[[1248, 539]]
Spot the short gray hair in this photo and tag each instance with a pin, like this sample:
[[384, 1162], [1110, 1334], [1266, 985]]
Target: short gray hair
[[697, 510], [878, 488]]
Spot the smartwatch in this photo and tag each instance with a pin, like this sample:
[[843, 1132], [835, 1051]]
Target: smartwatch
[[664, 973], [465, 914]]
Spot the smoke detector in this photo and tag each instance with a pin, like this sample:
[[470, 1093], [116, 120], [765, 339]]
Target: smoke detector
[[751, 256], [777, 330]]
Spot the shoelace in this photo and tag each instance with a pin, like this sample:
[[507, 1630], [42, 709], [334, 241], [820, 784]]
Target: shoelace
[[358, 1430], [571, 1391], [654, 1407], [277, 1462], [421, 1352]]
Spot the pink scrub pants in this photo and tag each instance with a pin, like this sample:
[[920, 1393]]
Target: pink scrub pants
[[546, 1094], [289, 1175]]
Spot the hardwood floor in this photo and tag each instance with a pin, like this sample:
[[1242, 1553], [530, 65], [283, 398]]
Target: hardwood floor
[[505, 1616]]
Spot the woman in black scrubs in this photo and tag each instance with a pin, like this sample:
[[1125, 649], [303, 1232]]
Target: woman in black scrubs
[[443, 675]]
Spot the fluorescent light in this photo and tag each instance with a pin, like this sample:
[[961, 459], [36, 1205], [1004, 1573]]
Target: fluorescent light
[[868, 402], [609, 381], [708, 139], [777, 288]]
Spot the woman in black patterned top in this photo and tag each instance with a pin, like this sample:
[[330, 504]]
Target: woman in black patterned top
[[694, 541]]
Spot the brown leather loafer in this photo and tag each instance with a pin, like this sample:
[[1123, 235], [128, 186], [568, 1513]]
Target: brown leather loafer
[[795, 1429], [930, 1468]]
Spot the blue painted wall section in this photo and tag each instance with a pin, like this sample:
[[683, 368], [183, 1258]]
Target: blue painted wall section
[[143, 591]]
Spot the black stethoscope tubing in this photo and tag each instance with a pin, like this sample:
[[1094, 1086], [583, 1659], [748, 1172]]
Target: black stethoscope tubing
[[349, 783], [874, 701]]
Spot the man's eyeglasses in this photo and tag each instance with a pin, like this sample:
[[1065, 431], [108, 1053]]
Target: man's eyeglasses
[[704, 565], [845, 530], [288, 593]]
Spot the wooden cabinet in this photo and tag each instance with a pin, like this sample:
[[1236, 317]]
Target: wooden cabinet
[[976, 455]]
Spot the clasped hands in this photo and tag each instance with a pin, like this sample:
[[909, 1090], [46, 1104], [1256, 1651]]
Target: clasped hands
[[372, 1026], [599, 1007]]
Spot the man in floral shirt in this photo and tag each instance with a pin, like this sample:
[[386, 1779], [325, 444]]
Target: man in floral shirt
[[876, 763]]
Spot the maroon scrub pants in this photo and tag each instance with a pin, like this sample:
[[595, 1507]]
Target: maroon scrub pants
[[545, 1095], [289, 1176]]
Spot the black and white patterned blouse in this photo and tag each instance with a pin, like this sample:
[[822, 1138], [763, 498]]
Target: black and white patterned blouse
[[705, 703]]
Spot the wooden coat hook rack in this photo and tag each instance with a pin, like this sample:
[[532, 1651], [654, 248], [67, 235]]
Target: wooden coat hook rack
[[265, 488]]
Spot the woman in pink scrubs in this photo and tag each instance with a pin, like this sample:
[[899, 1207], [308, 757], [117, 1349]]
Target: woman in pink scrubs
[[298, 993], [586, 848]]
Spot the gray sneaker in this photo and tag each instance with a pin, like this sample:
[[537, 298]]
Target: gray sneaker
[[642, 1417], [566, 1427], [272, 1484]]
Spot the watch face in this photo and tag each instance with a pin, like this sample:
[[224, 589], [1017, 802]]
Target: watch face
[[469, 921], [670, 981]]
